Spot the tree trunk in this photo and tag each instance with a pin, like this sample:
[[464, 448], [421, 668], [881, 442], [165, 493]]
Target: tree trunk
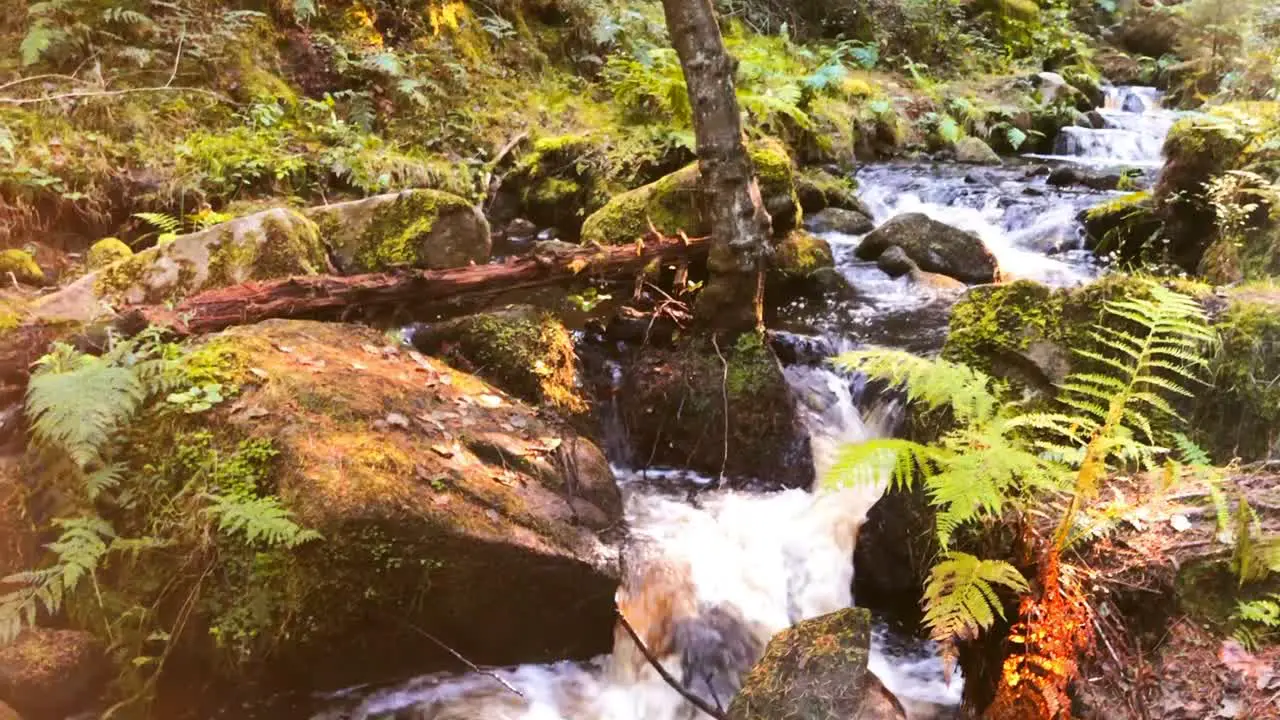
[[739, 222]]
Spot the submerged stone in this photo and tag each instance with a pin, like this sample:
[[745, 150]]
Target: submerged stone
[[817, 670]]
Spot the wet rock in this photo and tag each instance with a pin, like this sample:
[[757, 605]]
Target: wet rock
[[673, 202], [934, 247], [974, 151], [52, 673], [521, 349], [444, 504], [849, 222], [1126, 227], [1134, 103], [22, 266], [817, 669], [1096, 120], [269, 244], [673, 407], [521, 228], [630, 325], [1068, 175], [413, 228], [801, 254], [1051, 85], [894, 262]]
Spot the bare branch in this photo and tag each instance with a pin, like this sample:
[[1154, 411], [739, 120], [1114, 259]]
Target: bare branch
[[455, 653], [110, 93], [685, 692]]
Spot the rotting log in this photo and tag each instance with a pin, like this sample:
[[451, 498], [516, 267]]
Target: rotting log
[[309, 296]]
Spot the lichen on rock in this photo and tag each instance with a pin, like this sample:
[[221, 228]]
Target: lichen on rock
[[106, 252], [22, 266], [413, 228]]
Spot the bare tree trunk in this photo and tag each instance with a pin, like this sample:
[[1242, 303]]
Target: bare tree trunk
[[739, 222]]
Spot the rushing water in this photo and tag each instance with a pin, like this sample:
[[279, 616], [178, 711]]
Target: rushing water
[[710, 581]]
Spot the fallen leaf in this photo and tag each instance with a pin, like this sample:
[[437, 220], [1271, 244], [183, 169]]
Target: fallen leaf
[[284, 348], [371, 349], [1235, 657], [518, 421], [260, 372], [548, 444], [1231, 707], [358, 366], [398, 420], [489, 401], [441, 499], [493, 514], [443, 451], [1180, 523], [445, 379]]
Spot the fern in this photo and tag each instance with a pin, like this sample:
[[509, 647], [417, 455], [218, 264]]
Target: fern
[[78, 550], [77, 402], [1257, 620], [935, 383], [257, 519], [960, 598]]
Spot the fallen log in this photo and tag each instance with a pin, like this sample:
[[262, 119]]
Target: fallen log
[[309, 296]]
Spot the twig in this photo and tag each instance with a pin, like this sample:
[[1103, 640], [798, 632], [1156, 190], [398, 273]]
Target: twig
[[685, 693], [491, 184], [724, 398], [177, 58], [111, 93], [455, 653], [33, 78]]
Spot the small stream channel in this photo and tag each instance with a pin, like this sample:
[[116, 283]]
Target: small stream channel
[[753, 563]]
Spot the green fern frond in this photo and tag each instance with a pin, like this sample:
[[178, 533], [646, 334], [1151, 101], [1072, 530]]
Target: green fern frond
[[959, 597], [874, 461], [76, 402], [257, 519], [160, 221], [934, 383], [1257, 620], [104, 478], [77, 552]]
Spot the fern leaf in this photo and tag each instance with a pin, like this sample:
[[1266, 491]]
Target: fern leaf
[[959, 597], [257, 519], [76, 402], [871, 462], [105, 478], [934, 383]]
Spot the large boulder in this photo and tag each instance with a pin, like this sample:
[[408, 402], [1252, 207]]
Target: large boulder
[[974, 151], [412, 228], [934, 247], [269, 244], [817, 669], [523, 350], [674, 203], [444, 507], [1126, 229], [673, 409], [52, 673]]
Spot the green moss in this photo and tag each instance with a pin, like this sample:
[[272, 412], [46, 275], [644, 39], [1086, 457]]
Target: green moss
[[106, 252], [556, 191], [1123, 204], [752, 368], [22, 266], [394, 237], [114, 280], [800, 254], [670, 203], [1241, 418]]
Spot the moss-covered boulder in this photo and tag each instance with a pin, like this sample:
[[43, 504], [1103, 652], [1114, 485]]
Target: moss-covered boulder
[[444, 504], [674, 411], [52, 673], [934, 247], [1126, 228], [1249, 254], [412, 228], [974, 151], [817, 189], [1236, 136], [817, 669], [1024, 332], [674, 202], [22, 266], [523, 350], [834, 219], [801, 254], [106, 252], [269, 244]]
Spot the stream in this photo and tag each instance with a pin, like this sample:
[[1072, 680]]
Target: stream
[[743, 565]]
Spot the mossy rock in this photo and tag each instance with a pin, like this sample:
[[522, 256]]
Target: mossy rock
[[107, 251], [818, 189], [557, 183], [674, 202], [443, 504], [1236, 136], [270, 244], [817, 669], [1126, 228], [523, 350], [1240, 415], [974, 151], [52, 673], [22, 266], [801, 254], [413, 228], [673, 407]]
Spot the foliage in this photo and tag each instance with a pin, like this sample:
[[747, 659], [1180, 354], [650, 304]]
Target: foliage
[[1259, 620], [133, 530], [999, 457]]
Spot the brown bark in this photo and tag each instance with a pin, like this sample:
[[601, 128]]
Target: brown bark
[[325, 294], [739, 222]]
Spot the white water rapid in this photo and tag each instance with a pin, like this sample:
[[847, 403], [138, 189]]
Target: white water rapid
[[709, 581]]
